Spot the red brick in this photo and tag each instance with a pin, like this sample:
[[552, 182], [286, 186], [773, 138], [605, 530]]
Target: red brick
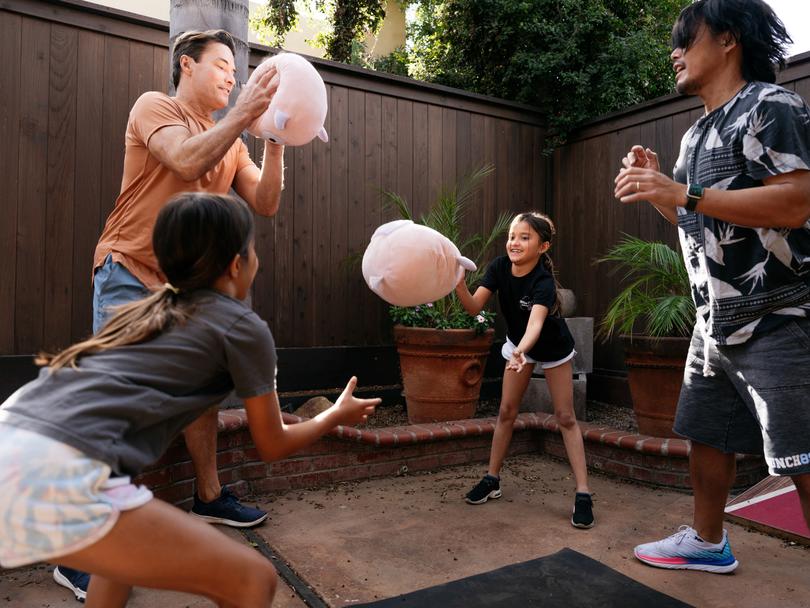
[[230, 457], [423, 463], [617, 468], [154, 479], [253, 470], [673, 480], [176, 493], [181, 471], [289, 466], [454, 458]]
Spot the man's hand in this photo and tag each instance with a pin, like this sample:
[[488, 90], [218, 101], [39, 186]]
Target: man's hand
[[256, 96], [641, 157], [641, 179]]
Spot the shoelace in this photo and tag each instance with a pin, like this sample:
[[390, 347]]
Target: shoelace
[[680, 534]]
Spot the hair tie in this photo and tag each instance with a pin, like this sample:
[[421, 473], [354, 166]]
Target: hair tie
[[171, 288]]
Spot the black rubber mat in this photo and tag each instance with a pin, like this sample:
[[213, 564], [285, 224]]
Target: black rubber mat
[[566, 579]]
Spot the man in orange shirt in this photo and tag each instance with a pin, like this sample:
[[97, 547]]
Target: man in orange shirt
[[174, 145]]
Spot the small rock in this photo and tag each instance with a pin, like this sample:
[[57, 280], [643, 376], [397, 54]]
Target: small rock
[[313, 407]]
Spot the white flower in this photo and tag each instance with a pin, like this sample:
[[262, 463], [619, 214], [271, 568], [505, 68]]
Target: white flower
[[480, 319]]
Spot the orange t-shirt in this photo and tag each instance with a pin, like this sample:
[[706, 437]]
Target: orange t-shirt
[[147, 184]]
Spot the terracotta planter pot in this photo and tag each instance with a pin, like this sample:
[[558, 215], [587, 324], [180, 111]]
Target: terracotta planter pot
[[655, 374], [442, 371]]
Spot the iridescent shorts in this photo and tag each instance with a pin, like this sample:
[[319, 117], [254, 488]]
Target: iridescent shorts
[[54, 500]]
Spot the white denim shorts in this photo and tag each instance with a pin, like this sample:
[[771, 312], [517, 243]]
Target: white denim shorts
[[54, 500], [508, 348]]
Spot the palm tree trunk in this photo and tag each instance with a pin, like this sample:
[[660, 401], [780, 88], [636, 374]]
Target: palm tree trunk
[[229, 15]]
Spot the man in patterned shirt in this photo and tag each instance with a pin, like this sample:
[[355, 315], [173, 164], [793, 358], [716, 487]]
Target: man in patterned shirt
[[741, 200]]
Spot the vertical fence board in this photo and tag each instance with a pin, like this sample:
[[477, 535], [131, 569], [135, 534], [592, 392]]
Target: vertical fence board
[[372, 173], [31, 187], [87, 212], [421, 190], [60, 197], [10, 108], [340, 269], [322, 219], [405, 156]]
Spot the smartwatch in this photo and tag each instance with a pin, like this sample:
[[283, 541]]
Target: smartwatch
[[693, 195]]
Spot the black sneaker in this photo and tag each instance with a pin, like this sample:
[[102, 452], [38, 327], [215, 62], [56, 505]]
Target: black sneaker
[[75, 580], [227, 510], [583, 511], [488, 487]]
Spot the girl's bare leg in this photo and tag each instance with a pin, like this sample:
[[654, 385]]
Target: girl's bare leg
[[561, 386], [514, 386], [159, 546]]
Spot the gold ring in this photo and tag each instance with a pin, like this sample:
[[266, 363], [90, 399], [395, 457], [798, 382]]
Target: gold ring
[[638, 187]]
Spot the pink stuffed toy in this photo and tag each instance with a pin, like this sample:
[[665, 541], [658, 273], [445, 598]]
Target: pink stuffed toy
[[295, 115], [408, 264]]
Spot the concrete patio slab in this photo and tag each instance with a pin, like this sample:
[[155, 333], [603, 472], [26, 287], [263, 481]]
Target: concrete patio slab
[[34, 588], [361, 541]]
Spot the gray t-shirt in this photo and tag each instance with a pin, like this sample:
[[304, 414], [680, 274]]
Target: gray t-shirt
[[125, 405]]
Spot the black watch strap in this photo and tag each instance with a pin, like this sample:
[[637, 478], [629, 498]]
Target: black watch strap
[[693, 195]]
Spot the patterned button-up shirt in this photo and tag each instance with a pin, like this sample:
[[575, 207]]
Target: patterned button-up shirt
[[745, 280]]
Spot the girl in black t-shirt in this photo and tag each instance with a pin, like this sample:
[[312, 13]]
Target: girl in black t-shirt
[[536, 335]]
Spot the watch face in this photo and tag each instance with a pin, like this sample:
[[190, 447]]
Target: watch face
[[695, 190]]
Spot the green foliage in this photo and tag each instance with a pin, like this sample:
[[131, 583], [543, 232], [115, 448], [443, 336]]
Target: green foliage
[[350, 20], [657, 296], [446, 216], [441, 315], [273, 21], [573, 59]]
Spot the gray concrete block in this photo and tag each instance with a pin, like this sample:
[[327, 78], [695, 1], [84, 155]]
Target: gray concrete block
[[538, 399], [582, 330]]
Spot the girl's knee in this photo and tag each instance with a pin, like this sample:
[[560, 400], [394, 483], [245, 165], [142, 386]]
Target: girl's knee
[[507, 414], [566, 420], [256, 583]]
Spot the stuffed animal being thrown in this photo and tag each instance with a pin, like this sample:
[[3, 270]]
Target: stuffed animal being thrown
[[407, 264], [295, 115]]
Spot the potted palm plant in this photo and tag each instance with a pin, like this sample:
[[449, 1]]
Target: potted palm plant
[[442, 349], [654, 315]]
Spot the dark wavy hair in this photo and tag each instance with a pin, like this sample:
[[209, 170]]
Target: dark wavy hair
[[193, 44], [196, 236], [544, 227], [752, 24]]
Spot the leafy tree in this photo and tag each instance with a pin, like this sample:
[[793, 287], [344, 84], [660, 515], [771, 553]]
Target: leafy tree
[[573, 59], [350, 20]]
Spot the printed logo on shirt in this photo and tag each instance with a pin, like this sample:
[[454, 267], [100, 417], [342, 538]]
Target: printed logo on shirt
[[525, 303]]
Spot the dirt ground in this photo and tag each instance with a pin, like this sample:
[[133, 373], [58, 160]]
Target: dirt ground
[[360, 541]]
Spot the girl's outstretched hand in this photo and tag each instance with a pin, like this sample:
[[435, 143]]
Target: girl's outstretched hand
[[352, 409]]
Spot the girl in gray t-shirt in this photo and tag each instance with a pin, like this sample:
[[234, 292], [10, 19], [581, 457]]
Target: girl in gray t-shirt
[[105, 408]]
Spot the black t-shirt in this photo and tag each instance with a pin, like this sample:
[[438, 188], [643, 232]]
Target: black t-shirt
[[517, 295]]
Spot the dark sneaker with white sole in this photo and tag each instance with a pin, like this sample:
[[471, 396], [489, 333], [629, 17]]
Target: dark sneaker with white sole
[[488, 487], [228, 511], [583, 511], [75, 580]]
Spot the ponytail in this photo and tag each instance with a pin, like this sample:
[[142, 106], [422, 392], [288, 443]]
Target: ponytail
[[544, 227], [132, 323]]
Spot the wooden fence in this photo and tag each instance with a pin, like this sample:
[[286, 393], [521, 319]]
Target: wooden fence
[[590, 220], [72, 70]]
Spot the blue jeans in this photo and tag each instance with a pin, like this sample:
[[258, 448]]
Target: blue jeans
[[113, 285]]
